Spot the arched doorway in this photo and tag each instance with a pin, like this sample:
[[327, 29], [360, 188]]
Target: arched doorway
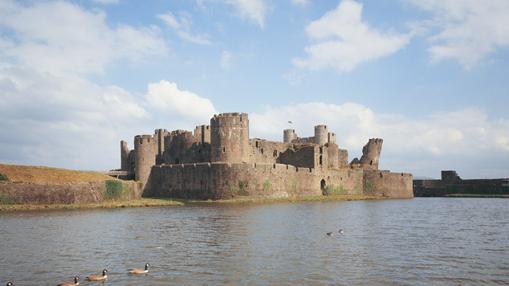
[[323, 185]]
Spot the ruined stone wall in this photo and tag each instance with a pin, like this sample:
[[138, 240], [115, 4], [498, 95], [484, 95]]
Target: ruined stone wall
[[266, 152], [304, 140], [343, 158], [299, 155], [223, 181], [458, 187], [202, 134], [69, 193], [124, 156], [388, 184], [229, 137]]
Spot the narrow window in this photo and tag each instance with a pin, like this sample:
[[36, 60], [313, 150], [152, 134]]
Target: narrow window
[[275, 153], [224, 149]]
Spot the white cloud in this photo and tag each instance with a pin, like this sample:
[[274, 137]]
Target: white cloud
[[252, 10], [107, 2], [300, 2], [464, 139], [62, 37], [467, 30], [182, 26], [226, 60], [168, 98], [343, 40]]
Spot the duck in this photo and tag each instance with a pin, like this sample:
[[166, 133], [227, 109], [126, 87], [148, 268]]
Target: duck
[[329, 234], [140, 271], [340, 231], [74, 283], [98, 277], [9, 284]]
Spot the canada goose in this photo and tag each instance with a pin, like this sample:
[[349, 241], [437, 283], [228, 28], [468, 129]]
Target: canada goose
[[139, 271], [9, 284], [98, 277], [76, 282]]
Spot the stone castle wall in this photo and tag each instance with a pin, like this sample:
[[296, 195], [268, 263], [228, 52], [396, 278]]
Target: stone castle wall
[[388, 184], [224, 180]]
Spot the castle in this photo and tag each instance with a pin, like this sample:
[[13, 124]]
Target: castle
[[220, 161]]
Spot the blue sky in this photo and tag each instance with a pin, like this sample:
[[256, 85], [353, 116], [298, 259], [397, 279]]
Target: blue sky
[[428, 76]]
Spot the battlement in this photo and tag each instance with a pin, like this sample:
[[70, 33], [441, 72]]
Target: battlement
[[212, 160], [143, 139]]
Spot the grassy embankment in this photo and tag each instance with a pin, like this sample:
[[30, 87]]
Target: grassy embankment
[[46, 175]]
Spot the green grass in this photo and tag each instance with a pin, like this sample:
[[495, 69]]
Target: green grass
[[5, 199], [267, 185], [115, 190], [331, 190], [3, 177]]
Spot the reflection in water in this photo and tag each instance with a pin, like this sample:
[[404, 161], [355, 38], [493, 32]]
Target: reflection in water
[[436, 241]]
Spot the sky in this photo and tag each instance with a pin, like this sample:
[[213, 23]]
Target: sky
[[430, 77]]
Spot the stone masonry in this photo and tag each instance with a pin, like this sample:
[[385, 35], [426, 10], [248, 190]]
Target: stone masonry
[[220, 161]]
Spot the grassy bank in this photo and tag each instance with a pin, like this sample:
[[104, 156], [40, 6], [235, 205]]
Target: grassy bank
[[47, 175], [157, 202], [145, 202]]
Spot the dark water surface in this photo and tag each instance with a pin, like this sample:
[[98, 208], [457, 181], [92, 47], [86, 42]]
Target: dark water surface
[[424, 241]]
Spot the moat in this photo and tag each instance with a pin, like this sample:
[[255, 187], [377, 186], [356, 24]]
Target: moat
[[424, 241]]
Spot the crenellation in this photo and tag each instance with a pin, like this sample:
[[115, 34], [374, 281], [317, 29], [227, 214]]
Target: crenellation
[[221, 161]]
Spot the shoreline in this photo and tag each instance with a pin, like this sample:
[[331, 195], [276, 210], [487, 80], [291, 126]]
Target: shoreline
[[162, 202]]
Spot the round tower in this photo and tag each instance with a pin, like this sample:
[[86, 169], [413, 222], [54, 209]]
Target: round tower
[[229, 137], [321, 134], [371, 154], [145, 148], [289, 135]]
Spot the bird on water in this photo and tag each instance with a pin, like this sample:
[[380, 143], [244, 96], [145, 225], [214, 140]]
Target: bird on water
[[74, 283], [340, 231], [330, 234], [98, 277], [9, 284], [140, 271]]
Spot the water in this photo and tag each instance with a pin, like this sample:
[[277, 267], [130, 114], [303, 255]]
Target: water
[[424, 241]]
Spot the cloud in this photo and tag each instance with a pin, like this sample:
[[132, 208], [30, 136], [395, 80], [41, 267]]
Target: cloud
[[300, 2], [168, 98], [252, 10], [465, 31], [60, 37], [467, 140], [226, 60], [182, 26], [107, 2], [342, 41]]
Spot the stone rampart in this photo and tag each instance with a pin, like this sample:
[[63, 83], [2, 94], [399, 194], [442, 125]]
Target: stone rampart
[[223, 181], [388, 184]]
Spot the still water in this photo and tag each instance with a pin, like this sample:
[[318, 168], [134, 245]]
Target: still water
[[424, 241]]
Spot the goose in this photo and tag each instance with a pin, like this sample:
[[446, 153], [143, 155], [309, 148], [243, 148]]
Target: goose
[[139, 271], [74, 283], [98, 277]]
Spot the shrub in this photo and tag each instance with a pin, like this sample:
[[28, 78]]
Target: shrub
[[333, 190], [115, 190], [267, 185], [243, 185], [3, 177], [5, 199]]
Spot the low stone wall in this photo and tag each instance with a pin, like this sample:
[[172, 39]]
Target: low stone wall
[[388, 184], [224, 181], [71, 193], [439, 188]]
